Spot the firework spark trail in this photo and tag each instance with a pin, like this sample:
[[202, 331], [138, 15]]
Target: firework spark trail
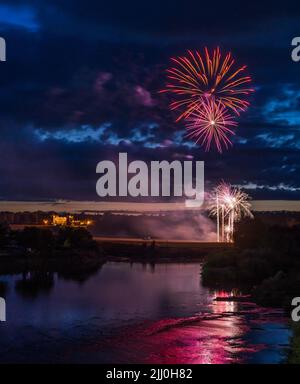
[[227, 202], [210, 123], [212, 74]]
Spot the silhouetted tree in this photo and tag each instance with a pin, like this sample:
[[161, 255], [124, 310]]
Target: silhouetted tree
[[251, 234], [36, 238], [4, 235], [75, 238]]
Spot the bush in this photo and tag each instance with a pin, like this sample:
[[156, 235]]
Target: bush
[[224, 259], [254, 268], [75, 238], [4, 235], [251, 234], [36, 238], [214, 276]]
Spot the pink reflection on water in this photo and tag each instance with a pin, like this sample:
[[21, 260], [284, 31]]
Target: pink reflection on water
[[230, 332], [202, 339], [196, 341]]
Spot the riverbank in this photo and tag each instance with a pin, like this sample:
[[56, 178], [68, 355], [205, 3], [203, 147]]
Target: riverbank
[[264, 263], [267, 272], [68, 250], [134, 313]]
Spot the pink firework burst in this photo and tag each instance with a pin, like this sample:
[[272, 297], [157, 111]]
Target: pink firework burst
[[207, 74], [210, 123]]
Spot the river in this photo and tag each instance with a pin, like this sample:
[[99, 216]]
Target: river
[[134, 313]]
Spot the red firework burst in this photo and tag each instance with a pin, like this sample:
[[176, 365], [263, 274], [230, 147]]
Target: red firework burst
[[196, 75], [209, 122]]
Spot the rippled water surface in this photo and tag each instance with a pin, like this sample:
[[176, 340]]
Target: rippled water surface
[[133, 313]]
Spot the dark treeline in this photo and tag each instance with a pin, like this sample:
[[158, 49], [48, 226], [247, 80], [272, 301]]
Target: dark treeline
[[264, 260], [36, 254], [43, 241]]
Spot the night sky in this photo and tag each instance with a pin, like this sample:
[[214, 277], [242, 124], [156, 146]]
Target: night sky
[[81, 84]]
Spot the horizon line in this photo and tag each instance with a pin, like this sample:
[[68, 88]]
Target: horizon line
[[105, 206]]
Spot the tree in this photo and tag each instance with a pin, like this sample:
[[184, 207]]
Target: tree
[[4, 235], [36, 238]]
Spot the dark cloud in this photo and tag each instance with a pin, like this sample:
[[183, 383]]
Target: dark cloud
[[82, 79]]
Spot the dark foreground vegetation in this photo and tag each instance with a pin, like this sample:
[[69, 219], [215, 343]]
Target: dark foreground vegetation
[[33, 248], [265, 262]]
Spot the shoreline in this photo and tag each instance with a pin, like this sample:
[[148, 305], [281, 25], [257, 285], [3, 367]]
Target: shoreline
[[81, 265]]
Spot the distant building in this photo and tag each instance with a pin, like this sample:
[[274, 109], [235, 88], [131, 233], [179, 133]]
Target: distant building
[[59, 220], [69, 220]]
